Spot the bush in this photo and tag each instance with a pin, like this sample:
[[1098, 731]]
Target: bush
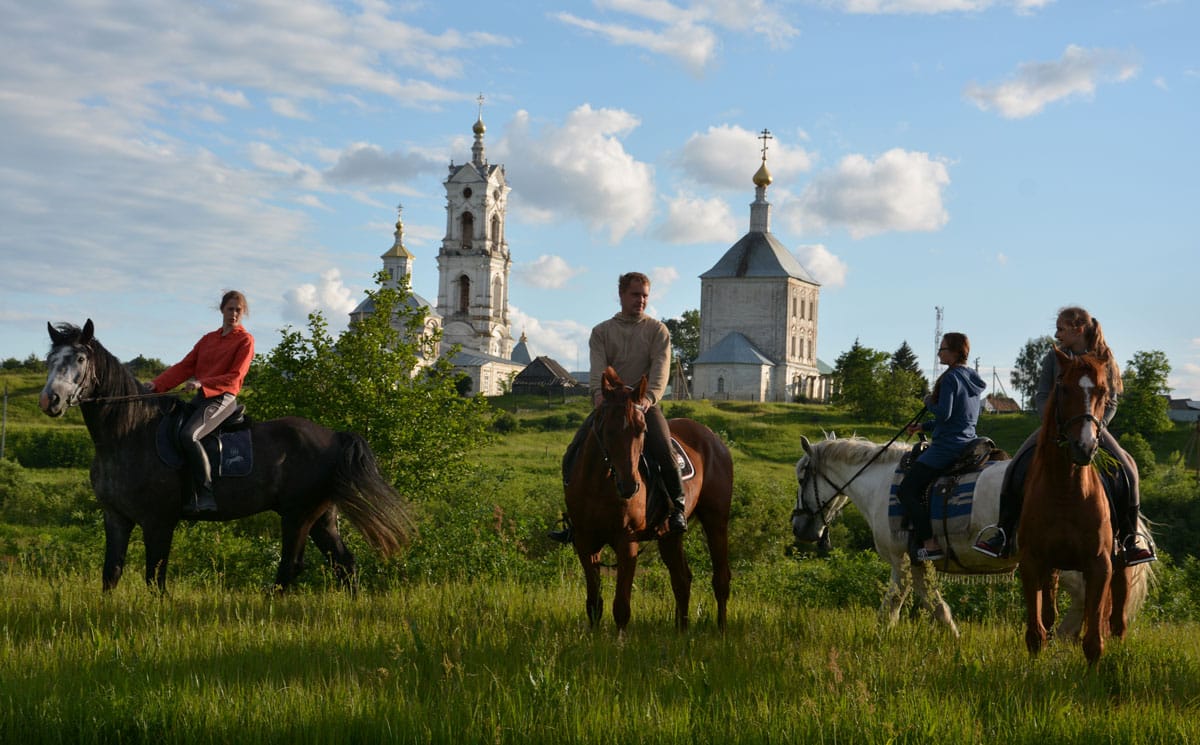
[[1139, 449], [56, 447]]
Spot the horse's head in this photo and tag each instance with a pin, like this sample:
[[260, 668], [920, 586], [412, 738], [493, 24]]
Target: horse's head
[[620, 428], [70, 366], [1077, 407], [814, 510]]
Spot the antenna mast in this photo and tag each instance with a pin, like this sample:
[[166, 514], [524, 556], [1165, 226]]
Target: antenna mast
[[937, 342]]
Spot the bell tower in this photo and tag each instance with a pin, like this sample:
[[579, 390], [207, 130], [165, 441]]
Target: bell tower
[[473, 262]]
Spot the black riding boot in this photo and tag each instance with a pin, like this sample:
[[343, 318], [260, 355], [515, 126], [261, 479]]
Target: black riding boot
[[202, 500], [673, 483]]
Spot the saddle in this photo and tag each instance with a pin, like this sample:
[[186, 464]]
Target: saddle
[[951, 495], [229, 448]]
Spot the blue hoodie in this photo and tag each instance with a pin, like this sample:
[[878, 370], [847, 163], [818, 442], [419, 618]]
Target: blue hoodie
[[955, 413]]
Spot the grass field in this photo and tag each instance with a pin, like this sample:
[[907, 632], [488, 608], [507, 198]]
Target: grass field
[[475, 662]]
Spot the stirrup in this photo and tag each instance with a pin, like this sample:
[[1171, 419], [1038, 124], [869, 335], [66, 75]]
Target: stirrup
[[989, 547]]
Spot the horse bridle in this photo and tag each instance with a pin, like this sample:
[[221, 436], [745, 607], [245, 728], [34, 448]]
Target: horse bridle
[[75, 397], [598, 426], [1059, 393]]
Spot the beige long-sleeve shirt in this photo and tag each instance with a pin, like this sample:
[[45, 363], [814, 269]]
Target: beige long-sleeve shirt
[[633, 347]]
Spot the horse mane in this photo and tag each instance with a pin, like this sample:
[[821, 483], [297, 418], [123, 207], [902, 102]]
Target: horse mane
[[856, 450], [113, 379]]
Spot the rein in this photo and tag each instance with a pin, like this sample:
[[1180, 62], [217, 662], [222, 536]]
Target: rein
[[116, 399], [802, 509]]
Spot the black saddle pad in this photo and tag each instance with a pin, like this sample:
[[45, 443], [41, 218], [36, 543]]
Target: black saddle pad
[[230, 449]]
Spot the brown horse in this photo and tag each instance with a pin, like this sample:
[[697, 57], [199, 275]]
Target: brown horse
[[607, 502], [1066, 521]]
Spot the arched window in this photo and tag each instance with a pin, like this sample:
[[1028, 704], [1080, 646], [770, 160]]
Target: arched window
[[721, 384], [467, 223], [497, 298], [495, 231], [464, 294]]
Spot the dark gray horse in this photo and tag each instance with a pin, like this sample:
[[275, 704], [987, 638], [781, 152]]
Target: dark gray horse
[[303, 471]]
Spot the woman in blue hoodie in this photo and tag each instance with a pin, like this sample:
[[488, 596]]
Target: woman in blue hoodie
[[955, 406]]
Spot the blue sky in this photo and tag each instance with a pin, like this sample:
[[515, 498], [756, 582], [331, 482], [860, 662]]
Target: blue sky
[[996, 158]]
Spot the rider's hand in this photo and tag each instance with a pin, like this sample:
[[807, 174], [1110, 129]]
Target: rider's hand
[[192, 385]]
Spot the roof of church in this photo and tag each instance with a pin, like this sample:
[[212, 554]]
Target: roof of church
[[466, 358], [367, 306], [520, 352], [758, 254], [735, 349]]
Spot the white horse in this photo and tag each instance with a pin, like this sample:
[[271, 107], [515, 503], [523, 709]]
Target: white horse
[[834, 472]]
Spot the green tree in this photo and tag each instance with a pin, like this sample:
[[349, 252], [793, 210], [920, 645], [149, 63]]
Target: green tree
[[143, 367], [1024, 377], [870, 388], [905, 359], [685, 338], [1142, 408], [369, 381]]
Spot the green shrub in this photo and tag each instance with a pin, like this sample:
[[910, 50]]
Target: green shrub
[[1139, 449], [52, 447]]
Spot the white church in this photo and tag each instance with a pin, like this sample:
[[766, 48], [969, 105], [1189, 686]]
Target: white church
[[473, 268], [758, 318]]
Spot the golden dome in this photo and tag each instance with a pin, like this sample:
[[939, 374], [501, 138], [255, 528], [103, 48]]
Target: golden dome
[[762, 177], [479, 128]]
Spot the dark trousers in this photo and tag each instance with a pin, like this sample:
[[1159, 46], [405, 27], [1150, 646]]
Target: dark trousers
[[910, 492]]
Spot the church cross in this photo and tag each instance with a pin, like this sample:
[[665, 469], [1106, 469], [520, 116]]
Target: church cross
[[764, 136]]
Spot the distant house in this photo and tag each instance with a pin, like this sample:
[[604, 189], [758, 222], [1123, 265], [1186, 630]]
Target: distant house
[[998, 404], [1183, 410], [544, 375]]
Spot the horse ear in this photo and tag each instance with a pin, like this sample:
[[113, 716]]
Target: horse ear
[[609, 381], [55, 337], [88, 330], [640, 392], [805, 444]]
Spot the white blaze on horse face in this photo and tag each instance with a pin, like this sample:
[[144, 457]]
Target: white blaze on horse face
[[1087, 431], [65, 370]]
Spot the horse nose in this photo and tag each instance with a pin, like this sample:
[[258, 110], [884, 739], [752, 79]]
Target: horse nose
[[46, 400]]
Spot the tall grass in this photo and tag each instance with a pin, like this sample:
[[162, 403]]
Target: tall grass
[[467, 662]]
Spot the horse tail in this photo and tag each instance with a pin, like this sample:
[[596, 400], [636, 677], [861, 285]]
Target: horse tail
[[371, 504], [1141, 578]]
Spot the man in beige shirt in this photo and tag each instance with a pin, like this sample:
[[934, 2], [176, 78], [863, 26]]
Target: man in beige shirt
[[634, 344]]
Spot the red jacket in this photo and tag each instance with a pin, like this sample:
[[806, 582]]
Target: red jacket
[[219, 363]]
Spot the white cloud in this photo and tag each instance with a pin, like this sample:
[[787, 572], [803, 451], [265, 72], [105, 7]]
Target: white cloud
[[1038, 84], [662, 277], [288, 108], [579, 170], [566, 342], [728, 156], [685, 32], [880, 7], [901, 190], [693, 219], [549, 272], [824, 266], [331, 296]]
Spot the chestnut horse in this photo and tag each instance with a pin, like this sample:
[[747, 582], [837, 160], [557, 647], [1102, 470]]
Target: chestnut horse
[[302, 471], [607, 502], [1065, 520]]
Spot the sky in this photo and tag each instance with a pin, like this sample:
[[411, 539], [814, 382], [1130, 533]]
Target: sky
[[996, 159]]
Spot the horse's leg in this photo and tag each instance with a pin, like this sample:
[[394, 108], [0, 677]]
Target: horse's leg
[[1032, 582], [897, 591], [328, 538], [1097, 601], [591, 577], [117, 529], [717, 534], [1050, 602], [929, 597], [157, 538], [670, 548], [294, 531], [626, 568], [1118, 622]]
